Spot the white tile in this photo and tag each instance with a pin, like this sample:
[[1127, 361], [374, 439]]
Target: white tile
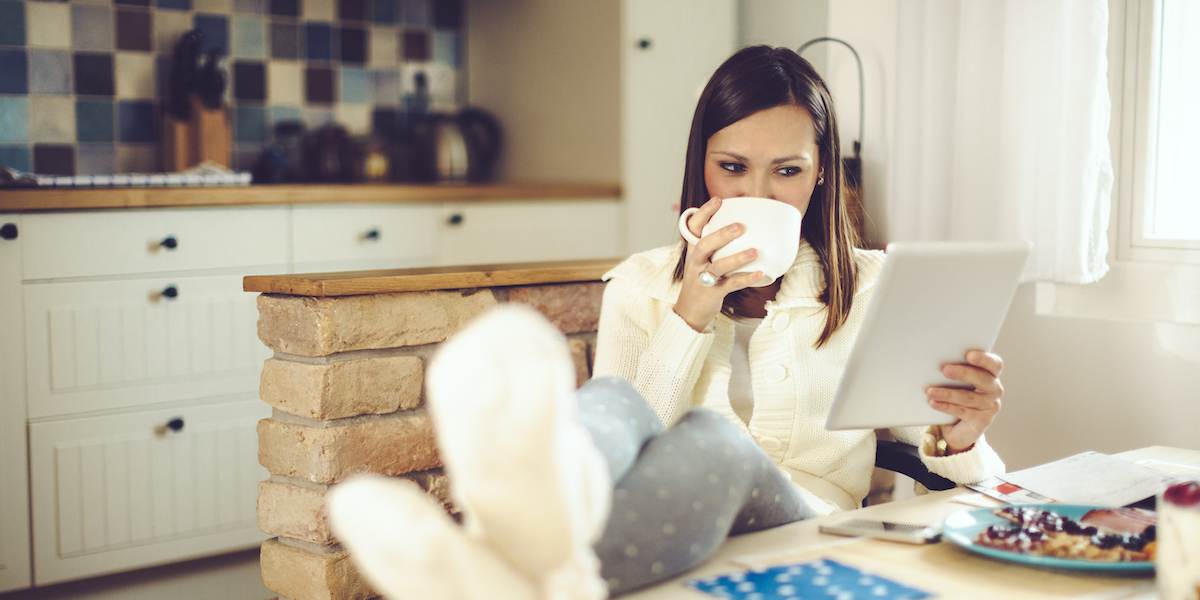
[[51, 119], [169, 27], [135, 75], [356, 118], [285, 81], [48, 25], [385, 47], [319, 10]]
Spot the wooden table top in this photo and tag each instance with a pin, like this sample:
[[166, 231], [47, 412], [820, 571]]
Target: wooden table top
[[356, 283], [943, 568], [38, 199]]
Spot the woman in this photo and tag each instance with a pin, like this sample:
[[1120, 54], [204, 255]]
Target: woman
[[587, 494], [765, 126]]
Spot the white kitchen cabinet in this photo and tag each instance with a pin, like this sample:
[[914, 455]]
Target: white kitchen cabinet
[[99, 345], [14, 484], [120, 242], [144, 488], [111, 335], [365, 236], [530, 231], [117, 323]]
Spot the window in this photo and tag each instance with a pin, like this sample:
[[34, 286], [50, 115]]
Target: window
[[1154, 232], [1169, 207]]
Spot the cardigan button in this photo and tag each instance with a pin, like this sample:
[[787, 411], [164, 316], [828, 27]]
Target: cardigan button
[[775, 373], [770, 443], [780, 322]]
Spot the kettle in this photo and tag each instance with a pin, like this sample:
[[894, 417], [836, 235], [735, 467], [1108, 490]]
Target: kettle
[[458, 148]]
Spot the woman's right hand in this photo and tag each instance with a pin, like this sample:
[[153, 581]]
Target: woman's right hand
[[699, 305]]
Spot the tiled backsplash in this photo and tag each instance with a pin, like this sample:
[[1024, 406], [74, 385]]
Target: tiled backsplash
[[82, 82]]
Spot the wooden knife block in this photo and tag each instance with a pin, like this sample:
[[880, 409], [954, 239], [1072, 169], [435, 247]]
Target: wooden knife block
[[204, 137]]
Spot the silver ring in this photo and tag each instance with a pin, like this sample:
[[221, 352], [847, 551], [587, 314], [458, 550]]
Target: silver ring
[[707, 279]]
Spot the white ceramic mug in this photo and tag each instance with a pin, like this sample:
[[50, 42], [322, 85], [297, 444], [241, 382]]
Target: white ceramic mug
[[772, 227]]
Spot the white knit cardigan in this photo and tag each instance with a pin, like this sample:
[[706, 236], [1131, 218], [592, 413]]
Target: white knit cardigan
[[676, 368]]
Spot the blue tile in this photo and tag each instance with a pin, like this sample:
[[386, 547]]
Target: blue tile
[[445, 48], [93, 121], [174, 4], [137, 121], [216, 33], [16, 157], [318, 44], [248, 37], [284, 113], [383, 11], [354, 86], [14, 119], [92, 27], [12, 23], [50, 71], [14, 71], [251, 123]]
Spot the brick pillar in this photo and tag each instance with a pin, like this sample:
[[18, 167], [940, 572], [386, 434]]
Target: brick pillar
[[346, 386]]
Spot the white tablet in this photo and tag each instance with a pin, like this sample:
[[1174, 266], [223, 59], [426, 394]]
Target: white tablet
[[933, 301]]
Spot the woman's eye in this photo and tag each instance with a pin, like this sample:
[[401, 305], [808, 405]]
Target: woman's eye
[[733, 167], [789, 171]]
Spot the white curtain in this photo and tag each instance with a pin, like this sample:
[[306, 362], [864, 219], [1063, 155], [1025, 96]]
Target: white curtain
[[1001, 133]]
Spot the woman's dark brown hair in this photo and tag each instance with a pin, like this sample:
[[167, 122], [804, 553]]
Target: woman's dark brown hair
[[754, 79]]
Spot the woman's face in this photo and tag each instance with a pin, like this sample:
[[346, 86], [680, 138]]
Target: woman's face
[[769, 154]]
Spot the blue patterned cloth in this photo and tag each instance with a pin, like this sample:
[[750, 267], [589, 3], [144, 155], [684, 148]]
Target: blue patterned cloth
[[825, 579]]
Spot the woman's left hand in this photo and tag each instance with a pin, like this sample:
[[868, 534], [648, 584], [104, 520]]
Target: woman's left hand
[[975, 406]]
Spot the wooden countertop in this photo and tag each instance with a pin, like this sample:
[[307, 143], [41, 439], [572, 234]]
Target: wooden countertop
[[354, 283], [26, 199]]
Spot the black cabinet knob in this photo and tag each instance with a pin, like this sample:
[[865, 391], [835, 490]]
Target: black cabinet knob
[[372, 235], [175, 424], [644, 43], [169, 242], [170, 292], [8, 231], [455, 219]]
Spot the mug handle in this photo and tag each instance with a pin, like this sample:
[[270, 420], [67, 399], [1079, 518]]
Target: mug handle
[[683, 225]]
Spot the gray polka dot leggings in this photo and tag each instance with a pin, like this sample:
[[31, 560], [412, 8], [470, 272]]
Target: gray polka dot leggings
[[677, 493]]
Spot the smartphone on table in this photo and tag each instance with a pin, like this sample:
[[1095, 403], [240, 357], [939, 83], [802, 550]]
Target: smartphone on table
[[884, 530]]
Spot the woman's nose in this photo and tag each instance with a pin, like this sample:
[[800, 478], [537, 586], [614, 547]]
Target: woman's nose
[[759, 187]]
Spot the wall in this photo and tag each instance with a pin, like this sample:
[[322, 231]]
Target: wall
[[81, 83], [549, 70]]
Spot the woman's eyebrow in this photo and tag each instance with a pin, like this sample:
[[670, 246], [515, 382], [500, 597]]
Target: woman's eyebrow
[[776, 161]]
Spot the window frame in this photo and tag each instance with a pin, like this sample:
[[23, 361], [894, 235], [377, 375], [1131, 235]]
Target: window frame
[[1153, 280]]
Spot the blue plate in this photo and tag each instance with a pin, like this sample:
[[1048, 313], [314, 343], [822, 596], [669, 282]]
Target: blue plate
[[962, 527]]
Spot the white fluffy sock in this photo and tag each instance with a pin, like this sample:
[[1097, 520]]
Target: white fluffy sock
[[525, 473], [408, 548]]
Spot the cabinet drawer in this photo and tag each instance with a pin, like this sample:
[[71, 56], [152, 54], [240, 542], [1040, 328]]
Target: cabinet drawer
[[119, 242], [361, 237], [119, 492], [532, 231], [97, 345]]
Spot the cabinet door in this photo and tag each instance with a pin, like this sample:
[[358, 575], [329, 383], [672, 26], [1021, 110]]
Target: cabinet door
[[14, 483], [125, 491], [96, 345], [362, 237], [669, 50], [119, 242], [530, 231]]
